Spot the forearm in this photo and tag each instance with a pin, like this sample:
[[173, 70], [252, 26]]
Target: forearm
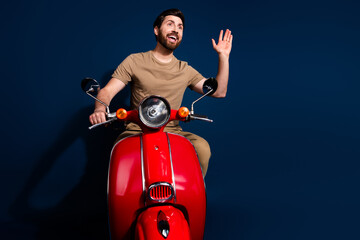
[[223, 48], [105, 98], [107, 93], [222, 76]]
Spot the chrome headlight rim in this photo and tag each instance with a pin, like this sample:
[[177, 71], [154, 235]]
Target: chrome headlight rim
[[145, 111]]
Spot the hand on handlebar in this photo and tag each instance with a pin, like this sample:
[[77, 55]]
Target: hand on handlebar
[[97, 117]]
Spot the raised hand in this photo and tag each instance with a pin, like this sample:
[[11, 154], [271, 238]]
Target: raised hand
[[223, 47]]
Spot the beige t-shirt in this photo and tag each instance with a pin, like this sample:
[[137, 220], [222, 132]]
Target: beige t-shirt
[[148, 76]]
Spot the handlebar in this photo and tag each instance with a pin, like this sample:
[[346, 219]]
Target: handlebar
[[112, 117], [199, 117]]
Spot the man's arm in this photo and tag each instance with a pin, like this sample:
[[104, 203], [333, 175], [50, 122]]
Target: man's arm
[[223, 48], [105, 95]]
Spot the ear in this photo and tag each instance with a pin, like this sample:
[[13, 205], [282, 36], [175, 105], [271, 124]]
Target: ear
[[156, 31]]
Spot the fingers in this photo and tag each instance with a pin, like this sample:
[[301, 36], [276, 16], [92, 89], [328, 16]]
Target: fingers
[[228, 36], [221, 36], [213, 43], [97, 117], [225, 42]]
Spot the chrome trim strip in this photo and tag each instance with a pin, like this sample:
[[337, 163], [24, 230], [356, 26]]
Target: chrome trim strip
[[111, 155], [107, 195], [172, 168], [186, 139], [193, 147], [142, 168]]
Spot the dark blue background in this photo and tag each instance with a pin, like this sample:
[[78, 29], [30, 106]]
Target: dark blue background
[[285, 141]]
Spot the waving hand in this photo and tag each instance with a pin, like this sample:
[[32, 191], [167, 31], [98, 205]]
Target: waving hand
[[224, 44]]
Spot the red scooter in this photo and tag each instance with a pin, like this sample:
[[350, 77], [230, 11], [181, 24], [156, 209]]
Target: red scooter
[[155, 184]]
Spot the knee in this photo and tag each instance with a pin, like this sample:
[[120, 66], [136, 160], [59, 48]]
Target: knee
[[203, 148], [204, 153]]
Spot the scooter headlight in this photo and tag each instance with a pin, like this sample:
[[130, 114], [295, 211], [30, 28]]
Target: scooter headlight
[[154, 111]]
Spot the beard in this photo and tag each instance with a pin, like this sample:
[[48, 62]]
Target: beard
[[168, 45]]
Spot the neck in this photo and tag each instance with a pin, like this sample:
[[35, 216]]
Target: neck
[[162, 54]]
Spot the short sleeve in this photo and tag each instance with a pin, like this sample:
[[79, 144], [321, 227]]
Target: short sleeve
[[124, 71], [194, 77]]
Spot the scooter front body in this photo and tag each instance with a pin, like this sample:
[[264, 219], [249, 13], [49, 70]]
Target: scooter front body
[[151, 173]]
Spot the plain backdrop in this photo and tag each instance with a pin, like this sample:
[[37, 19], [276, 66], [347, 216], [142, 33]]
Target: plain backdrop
[[285, 140]]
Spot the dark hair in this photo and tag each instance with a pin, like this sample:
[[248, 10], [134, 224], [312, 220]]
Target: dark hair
[[174, 12]]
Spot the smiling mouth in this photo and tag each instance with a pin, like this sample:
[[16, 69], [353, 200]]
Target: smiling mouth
[[172, 38]]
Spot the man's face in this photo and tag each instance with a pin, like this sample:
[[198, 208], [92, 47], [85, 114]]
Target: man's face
[[170, 33]]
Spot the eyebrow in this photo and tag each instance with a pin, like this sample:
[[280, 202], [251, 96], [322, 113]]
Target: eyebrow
[[180, 24]]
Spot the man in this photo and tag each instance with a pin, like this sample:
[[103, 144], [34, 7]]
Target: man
[[158, 72]]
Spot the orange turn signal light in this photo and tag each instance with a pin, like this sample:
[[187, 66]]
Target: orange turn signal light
[[121, 113], [183, 112]]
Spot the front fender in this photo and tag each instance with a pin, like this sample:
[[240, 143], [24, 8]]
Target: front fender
[[162, 222]]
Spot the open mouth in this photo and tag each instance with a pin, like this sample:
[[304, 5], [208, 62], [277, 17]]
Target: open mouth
[[172, 38]]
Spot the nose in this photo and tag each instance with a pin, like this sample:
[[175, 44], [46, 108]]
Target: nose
[[175, 28]]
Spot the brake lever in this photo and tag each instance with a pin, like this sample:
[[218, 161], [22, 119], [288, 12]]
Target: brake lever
[[199, 117], [111, 117]]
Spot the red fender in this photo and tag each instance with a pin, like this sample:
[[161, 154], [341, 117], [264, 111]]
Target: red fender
[[166, 219], [126, 191]]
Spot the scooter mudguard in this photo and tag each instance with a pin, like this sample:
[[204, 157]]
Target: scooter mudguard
[[162, 222], [137, 163]]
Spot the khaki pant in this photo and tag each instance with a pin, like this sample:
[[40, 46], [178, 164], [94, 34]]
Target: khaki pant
[[201, 145]]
